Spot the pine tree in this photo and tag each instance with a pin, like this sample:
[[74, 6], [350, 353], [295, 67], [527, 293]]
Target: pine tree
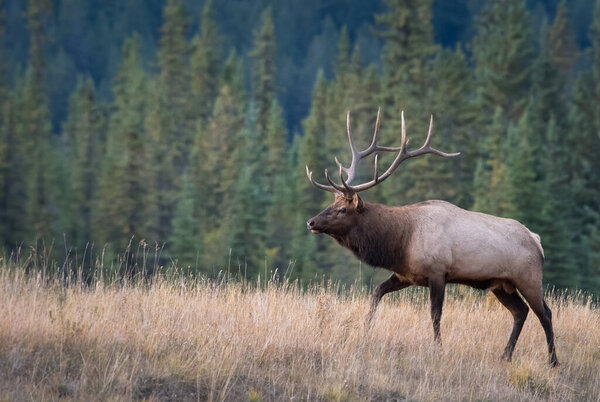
[[233, 76], [502, 51], [123, 186], [523, 187], [562, 40], [13, 218], [217, 167], [204, 65], [244, 224], [407, 61], [186, 241], [455, 114], [491, 181], [312, 153], [83, 132], [263, 71], [276, 183], [276, 141], [34, 128], [556, 229], [170, 122]]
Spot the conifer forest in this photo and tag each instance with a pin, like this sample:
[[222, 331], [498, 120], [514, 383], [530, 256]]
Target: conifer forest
[[179, 130]]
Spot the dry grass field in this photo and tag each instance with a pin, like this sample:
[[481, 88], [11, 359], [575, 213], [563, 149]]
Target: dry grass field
[[185, 340]]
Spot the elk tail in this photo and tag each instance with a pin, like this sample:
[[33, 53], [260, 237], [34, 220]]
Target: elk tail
[[538, 243]]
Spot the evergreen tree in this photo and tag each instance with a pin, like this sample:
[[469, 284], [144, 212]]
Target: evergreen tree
[[562, 40], [218, 165], [523, 190], [491, 181], [263, 71], [502, 52], [34, 129], [122, 195], [83, 133], [407, 62], [13, 214], [277, 182], [171, 126], [311, 153], [186, 241], [244, 222], [556, 229], [455, 114], [204, 64], [233, 76]]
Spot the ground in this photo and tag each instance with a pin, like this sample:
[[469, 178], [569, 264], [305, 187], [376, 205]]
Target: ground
[[180, 339]]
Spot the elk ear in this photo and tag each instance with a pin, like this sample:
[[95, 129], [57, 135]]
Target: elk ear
[[357, 202]]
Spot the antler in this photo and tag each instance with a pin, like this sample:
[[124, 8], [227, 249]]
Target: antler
[[402, 155]]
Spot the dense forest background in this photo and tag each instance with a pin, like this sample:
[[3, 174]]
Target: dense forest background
[[186, 126]]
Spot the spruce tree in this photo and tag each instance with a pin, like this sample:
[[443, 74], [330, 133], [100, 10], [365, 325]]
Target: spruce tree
[[123, 186], [263, 69], [523, 187], [307, 248], [502, 52], [277, 183], [83, 135], [204, 65], [185, 244], [562, 40], [454, 128], [491, 181], [556, 228], [34, 128], [172, 125], [217, 167], [407, 56]]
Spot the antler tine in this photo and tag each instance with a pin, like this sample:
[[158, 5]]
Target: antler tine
[[319, 185], [426, 148], [337, 187], [375, 169], [374, 141], [347, 189]]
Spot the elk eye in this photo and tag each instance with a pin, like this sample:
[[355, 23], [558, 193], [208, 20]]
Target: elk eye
[[342, 210]]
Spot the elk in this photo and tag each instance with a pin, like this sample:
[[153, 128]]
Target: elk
[[433, 243]]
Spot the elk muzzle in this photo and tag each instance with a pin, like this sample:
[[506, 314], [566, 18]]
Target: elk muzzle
[[311, 225]]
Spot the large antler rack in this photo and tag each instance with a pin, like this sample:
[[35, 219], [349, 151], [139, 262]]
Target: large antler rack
[[357, 155]]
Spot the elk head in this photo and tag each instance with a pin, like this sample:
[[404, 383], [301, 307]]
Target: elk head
[[337, 219]]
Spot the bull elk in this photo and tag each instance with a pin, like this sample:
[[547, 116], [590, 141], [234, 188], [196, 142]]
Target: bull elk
[[433, 243]]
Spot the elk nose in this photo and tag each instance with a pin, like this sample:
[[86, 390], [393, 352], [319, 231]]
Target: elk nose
[[310, 223]]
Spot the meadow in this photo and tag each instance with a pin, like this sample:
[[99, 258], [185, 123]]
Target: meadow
[[177, 338]]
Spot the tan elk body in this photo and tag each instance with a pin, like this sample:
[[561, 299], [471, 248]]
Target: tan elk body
[[433, 243]]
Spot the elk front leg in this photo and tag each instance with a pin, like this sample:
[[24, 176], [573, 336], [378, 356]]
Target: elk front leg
[[391, 285], [437, 288]]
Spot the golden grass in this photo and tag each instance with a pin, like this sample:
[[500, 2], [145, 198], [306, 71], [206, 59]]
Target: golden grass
[[180, 340]]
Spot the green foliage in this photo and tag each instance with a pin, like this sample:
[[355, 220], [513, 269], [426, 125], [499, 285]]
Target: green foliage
[[182, 153], [84, 132], [502, 52], [185, 243], [124, 173], [263, 70]]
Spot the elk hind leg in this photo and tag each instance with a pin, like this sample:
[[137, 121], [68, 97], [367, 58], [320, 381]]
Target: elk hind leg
[[391, 285], [535, 297], [437, 289], [519, 310]]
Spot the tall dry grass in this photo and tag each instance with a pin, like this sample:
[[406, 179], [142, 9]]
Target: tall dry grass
[[185, 340]]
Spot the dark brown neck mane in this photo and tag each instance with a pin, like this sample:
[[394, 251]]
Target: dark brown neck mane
[[380, 237]]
